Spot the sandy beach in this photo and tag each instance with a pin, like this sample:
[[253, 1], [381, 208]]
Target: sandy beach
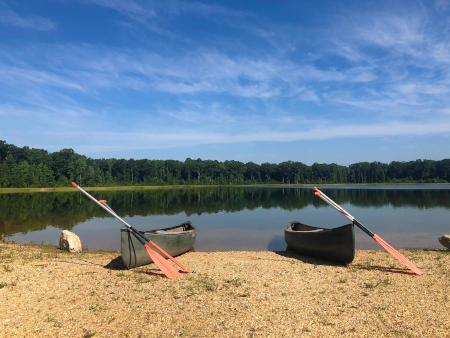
[[45, 292]]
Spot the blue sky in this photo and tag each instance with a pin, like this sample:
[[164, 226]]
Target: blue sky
[[261, 81]]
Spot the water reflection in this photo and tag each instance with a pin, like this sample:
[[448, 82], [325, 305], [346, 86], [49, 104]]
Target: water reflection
[[244, 218]]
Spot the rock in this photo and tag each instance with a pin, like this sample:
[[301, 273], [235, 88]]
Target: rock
[[445, 241], [69, 241]]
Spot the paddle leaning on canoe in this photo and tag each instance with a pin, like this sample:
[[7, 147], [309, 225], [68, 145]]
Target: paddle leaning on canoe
[[175, 240], [166, 268], [336, 244]]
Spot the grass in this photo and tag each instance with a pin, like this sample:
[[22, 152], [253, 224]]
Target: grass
[[235, 282], [70, 188], [371, 285], [147, 187], [206, 282], [368, 265], [88, 334], [387, 281], [7, 268], [95, 308]]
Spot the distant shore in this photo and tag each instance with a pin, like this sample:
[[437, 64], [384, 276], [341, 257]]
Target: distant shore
[[45, 292], [149, 187]]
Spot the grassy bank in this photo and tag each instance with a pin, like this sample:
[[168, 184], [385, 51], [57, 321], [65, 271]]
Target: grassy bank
[[46, 293], [62, 189]]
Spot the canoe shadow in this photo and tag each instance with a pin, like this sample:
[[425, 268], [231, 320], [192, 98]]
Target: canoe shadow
[[307, 259], [318, 261], [117, 264]]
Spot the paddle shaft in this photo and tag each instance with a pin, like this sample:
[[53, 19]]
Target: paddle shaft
[[343, 212], [110, 211]]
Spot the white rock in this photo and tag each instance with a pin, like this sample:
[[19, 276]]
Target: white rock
[[69, 241], [445, 241]]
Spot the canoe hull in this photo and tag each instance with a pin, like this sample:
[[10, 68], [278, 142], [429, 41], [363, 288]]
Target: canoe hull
[[337, 244], [175, 241]]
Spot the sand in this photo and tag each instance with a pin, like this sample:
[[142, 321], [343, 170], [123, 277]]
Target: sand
[[45, 292]]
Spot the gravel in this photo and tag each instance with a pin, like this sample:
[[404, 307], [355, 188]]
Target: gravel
[[45, 292]]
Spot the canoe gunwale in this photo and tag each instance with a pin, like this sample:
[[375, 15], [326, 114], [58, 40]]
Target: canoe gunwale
[[293, 222], [186, 225]]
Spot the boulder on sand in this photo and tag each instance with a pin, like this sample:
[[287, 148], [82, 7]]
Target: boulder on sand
[[445, 241], [69, 241]]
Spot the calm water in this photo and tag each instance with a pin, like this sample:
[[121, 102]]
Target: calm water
[[250, 218]]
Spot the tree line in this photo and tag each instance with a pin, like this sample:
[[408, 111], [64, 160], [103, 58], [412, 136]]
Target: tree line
[[30, 167]]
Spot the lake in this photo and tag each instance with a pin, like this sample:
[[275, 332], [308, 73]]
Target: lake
[[232, 218]]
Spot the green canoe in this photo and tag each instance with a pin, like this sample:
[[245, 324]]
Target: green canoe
[[175, 241], [337, 244]]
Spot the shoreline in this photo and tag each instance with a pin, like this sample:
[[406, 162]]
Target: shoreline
[[45, 292], [151, 187]]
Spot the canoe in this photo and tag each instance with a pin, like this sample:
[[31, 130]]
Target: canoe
[[337, 244], [175, 241]]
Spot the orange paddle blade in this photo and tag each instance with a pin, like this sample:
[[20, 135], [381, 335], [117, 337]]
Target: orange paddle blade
[[397, 255], [162, 264], [169, 256]]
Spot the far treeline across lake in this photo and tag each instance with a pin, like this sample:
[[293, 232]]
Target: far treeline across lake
[[37, 168]]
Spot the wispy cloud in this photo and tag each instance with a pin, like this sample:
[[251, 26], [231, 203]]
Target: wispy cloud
[[26, 76], [130, 8], [149, 9], [242, 79], [9, 17], [85, 67], [186, 138]]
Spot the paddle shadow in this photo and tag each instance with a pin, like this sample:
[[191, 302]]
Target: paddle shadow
[[117, 265], [383, 269]]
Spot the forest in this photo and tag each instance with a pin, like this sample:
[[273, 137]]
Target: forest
[[37, 168]]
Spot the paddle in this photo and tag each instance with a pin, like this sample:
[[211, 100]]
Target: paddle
[[386, 246], [162, 264], [150, 242]]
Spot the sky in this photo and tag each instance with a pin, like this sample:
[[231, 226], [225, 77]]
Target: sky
[[263, 81]]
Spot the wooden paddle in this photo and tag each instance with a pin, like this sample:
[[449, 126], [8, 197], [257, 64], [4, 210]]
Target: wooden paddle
[[160, 262], [386, 246]]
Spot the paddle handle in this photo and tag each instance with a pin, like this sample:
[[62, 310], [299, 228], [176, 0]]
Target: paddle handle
[[343, 212], [103, 206], [109, 210]]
